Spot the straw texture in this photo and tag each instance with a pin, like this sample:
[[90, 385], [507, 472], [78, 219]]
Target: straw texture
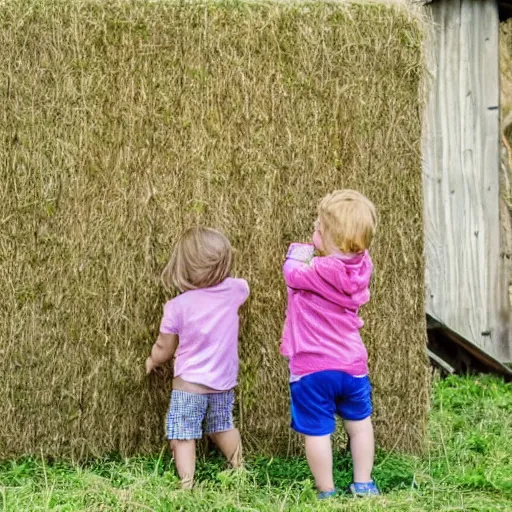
[[121, 123]]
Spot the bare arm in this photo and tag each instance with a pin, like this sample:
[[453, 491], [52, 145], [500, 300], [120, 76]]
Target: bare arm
[[163, 350]]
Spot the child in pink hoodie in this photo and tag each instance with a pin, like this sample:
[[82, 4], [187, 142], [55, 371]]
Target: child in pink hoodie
[[327, 358]]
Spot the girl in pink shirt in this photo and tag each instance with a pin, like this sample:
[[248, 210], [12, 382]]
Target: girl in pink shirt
[[328, 361], [200, 328]]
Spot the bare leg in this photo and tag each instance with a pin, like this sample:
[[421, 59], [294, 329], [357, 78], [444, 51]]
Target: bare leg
[[319, 455], [230, 445], [185, 459], [362, 448]]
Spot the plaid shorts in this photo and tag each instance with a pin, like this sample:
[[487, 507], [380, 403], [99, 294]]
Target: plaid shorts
[[190, 412]]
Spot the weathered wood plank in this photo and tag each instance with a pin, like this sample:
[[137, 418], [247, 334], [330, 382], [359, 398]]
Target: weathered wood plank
[[461, 174], [440, 362]]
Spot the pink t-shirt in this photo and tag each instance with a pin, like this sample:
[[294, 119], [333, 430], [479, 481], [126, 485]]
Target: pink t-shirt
[[322, 324], [206, 321]]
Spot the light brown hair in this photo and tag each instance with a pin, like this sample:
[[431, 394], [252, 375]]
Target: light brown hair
[[202, 258], [348, 220]]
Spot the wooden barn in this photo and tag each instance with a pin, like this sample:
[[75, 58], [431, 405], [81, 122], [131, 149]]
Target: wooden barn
[[467, 249]]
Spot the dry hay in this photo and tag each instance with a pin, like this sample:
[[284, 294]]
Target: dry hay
[[506, 77], [506, 158], [123, 122]]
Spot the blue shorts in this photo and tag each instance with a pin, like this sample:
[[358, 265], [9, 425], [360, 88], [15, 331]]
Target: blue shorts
[[318, 397], [191, 413]]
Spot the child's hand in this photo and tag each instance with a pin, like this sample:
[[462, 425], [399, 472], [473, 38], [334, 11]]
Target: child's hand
[[150, 365], [301, 252]]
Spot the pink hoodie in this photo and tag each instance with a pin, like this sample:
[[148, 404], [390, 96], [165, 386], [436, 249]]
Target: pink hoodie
[[321, 331]]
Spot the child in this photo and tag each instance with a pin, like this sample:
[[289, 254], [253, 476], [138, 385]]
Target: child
[[327, 358], [201, 326]]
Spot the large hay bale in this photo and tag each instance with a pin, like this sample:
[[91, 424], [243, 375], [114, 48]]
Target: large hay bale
[[123, 122]]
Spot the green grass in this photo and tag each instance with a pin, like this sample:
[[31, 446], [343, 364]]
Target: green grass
[[468, 466]]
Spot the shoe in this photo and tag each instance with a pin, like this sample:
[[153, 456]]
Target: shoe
[[325, 495], [363, 489]]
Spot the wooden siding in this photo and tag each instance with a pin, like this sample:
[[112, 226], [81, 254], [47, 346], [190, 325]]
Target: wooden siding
[[461, 150]]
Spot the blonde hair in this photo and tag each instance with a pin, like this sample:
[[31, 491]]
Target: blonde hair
[[348, 220], [202, 258]]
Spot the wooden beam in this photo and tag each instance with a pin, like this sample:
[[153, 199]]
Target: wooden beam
[[488, 361], [440, 362]]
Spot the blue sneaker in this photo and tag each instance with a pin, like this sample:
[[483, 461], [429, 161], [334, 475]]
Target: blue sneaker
[[325, 495], [363, 489]]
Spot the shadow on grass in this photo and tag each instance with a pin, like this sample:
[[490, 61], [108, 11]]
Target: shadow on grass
[[391, 472]]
